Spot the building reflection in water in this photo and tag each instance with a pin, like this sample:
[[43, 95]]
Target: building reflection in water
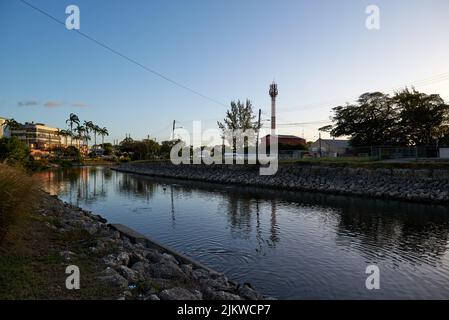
[[380, 227]]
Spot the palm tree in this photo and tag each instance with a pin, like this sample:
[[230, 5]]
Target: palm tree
[[88, 125], [73, 118], [65, 134], [96, 129], [12, 124], [80, 134], [103, 132]]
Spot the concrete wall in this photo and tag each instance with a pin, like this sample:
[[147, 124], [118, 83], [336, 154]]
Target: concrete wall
[[423, 185]]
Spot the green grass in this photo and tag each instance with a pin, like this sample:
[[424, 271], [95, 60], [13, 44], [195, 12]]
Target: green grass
[[18, 278], [360, 162], [18, 196]]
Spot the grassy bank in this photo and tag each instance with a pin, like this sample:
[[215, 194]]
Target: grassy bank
[[358, 162], [31, 264], [18, 197]]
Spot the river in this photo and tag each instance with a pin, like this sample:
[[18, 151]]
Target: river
[[289, 245]]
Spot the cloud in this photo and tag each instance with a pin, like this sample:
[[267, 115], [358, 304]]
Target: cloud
[[27, 103], [79, 105], [53, 104]]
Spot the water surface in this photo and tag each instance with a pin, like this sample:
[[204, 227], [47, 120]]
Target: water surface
[[289, 245]]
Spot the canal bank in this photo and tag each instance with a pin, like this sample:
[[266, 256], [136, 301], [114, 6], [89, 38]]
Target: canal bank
[[429, 185], [114, 261], [287, 244]]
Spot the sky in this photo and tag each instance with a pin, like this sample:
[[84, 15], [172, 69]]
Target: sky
[[319, 52]]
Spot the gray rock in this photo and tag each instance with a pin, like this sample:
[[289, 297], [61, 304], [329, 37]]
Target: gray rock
[[123, 258], [180, 294], [111, 276], [221, 295], [90, 227], [187, 269], [141, 266], [110, 260], [154, 256], [170, 258], [129, 274], [116, 235], [248, 293], [166, 270]]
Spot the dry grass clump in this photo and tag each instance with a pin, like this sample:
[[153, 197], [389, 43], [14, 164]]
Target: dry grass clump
[[18, 196]]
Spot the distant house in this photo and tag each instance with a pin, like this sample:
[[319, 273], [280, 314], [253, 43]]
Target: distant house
[[330, 147], [286, 141]]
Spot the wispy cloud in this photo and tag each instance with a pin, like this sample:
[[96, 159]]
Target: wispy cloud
[[79, 105], [53, 104], [27, 103]]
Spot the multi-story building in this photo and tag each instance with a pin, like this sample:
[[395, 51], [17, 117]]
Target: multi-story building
[[38, 136], [4, 131]]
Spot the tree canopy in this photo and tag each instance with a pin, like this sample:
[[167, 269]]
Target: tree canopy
[[408, 117], [240, 117]]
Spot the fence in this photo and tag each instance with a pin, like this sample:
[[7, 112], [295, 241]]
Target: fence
[[396, 152]]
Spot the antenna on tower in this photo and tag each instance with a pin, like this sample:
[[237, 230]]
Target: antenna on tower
[[273, 94]]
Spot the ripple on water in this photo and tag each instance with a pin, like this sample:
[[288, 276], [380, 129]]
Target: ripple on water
[[288, 245]]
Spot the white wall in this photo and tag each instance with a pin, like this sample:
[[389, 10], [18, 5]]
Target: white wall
[[444, 153]]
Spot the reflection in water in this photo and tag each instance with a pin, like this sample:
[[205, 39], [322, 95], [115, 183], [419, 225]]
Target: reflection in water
[[287, 244]]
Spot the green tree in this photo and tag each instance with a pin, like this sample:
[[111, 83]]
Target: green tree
[[88, 127], [12, 124], [140, 150], [65, 134], [103, 132], [80, 134], [166, 147], [107, 149], [371, 121], [423, 118], [95, 129], [13, 150], [73, 119], [240, 117]]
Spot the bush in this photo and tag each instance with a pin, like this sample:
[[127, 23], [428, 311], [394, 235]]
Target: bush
[[14, 151], [18, 196]]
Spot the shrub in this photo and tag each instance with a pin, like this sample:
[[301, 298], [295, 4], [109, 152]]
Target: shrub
[[18, 196], [14, 151]]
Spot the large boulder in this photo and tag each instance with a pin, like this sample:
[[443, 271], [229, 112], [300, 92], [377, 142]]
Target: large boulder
[[111, 276]]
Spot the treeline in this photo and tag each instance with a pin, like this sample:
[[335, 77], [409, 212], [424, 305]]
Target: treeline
[[146, 149], [407, 118]]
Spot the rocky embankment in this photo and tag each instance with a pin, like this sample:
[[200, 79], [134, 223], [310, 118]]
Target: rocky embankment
[[423, 185], [138, 271]]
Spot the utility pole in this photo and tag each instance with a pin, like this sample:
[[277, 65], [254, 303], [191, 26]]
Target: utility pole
[[223, 148], [173, 130], [257, 142], [319, 139]]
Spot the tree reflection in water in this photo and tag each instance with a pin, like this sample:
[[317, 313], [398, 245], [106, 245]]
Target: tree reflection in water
[[286, 236]]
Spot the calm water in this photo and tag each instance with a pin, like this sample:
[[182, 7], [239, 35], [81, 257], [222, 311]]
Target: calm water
[[287, 244]]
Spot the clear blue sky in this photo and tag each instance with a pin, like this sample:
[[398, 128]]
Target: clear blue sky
[[319, 52]]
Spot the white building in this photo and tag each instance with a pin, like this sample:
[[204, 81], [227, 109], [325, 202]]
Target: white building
[[330, 147], [38, 136]]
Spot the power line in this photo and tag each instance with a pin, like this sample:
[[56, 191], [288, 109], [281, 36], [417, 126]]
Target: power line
[[304, 123], [419, 83], [101, 44]]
